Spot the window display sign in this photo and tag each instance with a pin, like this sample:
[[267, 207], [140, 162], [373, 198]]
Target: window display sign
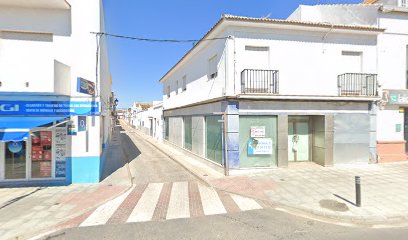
[[258, 131], [41, 154], [82, 124], [260, 146], [60, 152]]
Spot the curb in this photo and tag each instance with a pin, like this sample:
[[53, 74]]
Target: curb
[[41, 233], [149, 141]]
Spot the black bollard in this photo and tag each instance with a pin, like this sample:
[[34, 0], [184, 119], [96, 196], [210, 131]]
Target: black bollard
[[358, 191]]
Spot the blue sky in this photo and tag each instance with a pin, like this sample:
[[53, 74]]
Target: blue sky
[[137, 66]]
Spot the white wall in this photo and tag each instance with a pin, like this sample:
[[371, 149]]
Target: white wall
[[199, 86], [386, 124], [337, 14], [307, 64], [26, 58]]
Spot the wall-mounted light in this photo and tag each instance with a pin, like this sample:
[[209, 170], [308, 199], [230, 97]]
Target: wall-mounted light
[[27, 84]]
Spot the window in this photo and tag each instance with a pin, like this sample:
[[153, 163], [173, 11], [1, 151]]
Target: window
[[168, 91], [256, 57], [403, 3], [177, 87], [212, 67], [257, 49], [184, 83]]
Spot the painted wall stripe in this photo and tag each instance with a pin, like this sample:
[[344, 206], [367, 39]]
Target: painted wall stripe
[[179, 202], [103, 213], [210, 200], [245, 204], [145, 207]]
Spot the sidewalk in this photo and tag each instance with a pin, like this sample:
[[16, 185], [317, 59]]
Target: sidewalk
[[26, 212], [323, 192]]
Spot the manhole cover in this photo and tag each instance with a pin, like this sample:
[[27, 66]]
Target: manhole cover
[[333, 205]]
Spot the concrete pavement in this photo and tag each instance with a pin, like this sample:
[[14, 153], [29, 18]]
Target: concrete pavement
[[26, 212], [324, 192], [257, 224]]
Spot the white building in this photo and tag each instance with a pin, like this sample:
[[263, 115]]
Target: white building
[[291, 91], [55, 114], [148, 118], [392, 63]]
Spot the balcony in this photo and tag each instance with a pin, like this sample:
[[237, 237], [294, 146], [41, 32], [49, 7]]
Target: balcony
[[260, 81], [357, 84]]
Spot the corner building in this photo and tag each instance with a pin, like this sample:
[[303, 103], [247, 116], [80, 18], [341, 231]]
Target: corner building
[[291, 91], [55, 111]]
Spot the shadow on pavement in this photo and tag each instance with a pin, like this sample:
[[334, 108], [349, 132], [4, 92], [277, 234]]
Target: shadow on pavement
[[121, 151]]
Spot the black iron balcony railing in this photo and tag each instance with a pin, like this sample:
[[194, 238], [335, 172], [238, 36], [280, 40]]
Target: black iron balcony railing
[[260, 81], [357, 84]]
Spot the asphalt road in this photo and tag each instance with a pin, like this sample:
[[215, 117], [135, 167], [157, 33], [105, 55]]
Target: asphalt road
[[149, 165], [257, 224]]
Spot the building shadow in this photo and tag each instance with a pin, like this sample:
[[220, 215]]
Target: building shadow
[[120, 152]]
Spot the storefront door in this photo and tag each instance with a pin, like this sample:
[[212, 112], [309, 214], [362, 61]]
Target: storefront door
[[298, 139], [14, 160]]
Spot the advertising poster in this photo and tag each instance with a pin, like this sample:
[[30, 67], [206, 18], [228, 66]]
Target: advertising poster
[[258, 131], [260, 146], [60, 152]]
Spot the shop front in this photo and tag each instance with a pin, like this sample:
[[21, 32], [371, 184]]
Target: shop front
[[35, 140], [393, 126]]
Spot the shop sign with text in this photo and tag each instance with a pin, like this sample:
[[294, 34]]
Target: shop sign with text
[[258, 131], [49, 108]]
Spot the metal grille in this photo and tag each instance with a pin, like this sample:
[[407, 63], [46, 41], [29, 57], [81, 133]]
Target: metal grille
[[357, 84], [259, 81]]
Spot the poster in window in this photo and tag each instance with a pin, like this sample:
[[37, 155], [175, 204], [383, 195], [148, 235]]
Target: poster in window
[[260, 146]]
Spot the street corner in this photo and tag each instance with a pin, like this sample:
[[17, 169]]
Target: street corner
[[254, 187], [86, 197]]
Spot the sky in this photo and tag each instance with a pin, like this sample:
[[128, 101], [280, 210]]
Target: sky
[[137, 67]]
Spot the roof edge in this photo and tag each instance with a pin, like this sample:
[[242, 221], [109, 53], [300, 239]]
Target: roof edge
[[227, 17]]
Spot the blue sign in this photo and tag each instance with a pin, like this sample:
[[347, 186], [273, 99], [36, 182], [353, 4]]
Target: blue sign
[[60, 169], [49, 108], [81, 124], [15, 147], [85, 86]]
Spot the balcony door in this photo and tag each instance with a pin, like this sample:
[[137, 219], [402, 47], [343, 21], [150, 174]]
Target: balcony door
[[351, 62]]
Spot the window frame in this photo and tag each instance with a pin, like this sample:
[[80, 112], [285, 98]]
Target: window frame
[[184, 83], [212, 73]]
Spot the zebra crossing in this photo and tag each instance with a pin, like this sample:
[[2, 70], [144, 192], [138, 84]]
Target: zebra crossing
[[165, 201]]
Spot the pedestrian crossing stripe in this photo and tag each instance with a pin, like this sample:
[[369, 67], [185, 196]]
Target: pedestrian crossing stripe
[[165, 201]]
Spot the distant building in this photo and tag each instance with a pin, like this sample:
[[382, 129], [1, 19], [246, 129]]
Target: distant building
[[55, 109], [148, 117]]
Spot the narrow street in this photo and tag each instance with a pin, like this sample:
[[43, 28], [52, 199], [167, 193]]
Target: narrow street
[[166, 200]]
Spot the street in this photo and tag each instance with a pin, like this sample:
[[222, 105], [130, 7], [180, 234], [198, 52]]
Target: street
[[168, 202]]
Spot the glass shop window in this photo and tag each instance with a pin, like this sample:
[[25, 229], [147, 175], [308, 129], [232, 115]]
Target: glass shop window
[[41, 154]]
